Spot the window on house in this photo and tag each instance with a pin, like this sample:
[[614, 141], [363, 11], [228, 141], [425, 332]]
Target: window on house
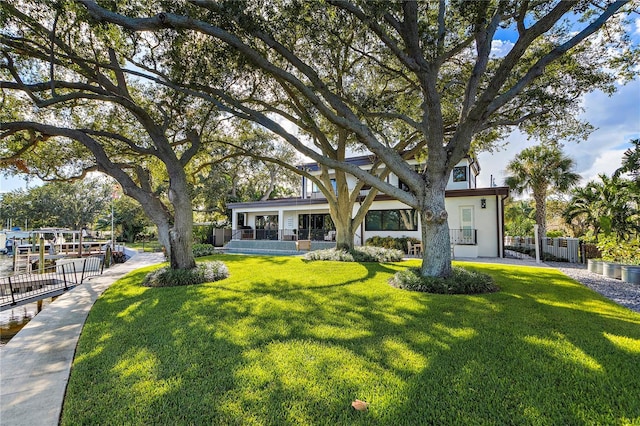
[[466, 223], [314, 226], [334, 185], [419, 168], [391, 220], [269, 222], [460, 174]]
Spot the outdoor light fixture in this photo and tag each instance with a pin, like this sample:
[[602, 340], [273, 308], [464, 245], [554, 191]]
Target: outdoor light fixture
[[483, 203]]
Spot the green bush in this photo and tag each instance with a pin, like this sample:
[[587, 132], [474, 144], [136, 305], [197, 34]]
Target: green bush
[[615, 250], [203, 273], [200, 250], [555, 234], [391, 242], [461, 281], [359, 254], [376, 254]]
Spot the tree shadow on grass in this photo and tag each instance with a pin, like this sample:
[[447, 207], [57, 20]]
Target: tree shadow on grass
[[269, 353]]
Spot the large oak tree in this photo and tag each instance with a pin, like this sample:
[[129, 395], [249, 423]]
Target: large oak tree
[[74, 110], [432, 62], [443, 54]]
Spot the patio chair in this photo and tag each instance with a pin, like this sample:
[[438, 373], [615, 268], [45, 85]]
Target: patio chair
[[414, 248]]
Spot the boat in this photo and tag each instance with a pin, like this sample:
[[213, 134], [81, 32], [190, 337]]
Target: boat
[[56, 243]]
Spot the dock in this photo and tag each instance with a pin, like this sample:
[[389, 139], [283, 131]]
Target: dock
[[20, 289]]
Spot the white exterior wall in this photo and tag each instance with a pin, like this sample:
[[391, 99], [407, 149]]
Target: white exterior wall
[[484, 221]]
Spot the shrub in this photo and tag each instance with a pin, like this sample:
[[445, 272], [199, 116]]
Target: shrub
[[330, 254], [203, 273], [615, 250], [555, 234], [461, 281], [200, 250], [359, 254], [391, 242], [376, 254]]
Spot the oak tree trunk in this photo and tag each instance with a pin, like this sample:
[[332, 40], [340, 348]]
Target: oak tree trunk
[[180, 250], [436, 259], [344, 232]]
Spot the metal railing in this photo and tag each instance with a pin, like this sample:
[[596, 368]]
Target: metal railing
[[284, 234], [25, 288], [463, 237]]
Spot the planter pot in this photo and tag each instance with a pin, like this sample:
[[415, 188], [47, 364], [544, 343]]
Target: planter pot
[[631, 274], [612, 270], [594, 266]]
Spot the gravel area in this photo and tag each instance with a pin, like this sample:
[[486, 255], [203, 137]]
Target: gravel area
[[625, 294]]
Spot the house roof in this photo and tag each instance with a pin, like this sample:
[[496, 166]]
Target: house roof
[[296, 201], [365, 160], [362, 160]]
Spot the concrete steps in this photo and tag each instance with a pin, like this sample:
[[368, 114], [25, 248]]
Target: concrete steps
[[272, 247]]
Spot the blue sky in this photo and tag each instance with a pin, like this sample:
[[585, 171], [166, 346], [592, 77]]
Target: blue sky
[[617, 120]]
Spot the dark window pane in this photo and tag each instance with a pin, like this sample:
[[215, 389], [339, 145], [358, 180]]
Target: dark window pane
[[460, 174], [373, 220], [390, 220]]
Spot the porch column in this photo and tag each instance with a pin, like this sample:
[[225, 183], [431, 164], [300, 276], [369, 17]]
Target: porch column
[[234, 224], [280, 224]]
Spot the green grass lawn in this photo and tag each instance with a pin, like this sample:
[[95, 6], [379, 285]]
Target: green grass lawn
[[284, 341]]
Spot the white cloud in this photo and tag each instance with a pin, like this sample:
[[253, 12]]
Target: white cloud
[[617, 119], [500, 48], [605, 163]]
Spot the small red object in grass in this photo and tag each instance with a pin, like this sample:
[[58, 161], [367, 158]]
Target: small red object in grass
[[359, 405]]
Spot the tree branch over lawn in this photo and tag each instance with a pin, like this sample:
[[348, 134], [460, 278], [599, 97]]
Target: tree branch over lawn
[[467, 95]]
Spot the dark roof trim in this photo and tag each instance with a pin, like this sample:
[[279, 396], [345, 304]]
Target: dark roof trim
[[477, 192], [363, 160], [279, 202]]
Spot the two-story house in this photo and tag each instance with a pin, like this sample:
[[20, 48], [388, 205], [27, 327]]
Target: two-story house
[[476, 216]]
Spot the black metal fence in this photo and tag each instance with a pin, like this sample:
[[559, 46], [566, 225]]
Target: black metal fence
[[25, 288], [284, 234]]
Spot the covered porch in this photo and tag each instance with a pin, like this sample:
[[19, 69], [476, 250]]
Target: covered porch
[[284, 224]]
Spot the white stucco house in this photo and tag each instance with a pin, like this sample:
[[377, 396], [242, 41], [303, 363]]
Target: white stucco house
[[476, 216]]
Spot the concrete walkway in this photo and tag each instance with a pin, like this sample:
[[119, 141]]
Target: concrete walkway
[[36, 363]]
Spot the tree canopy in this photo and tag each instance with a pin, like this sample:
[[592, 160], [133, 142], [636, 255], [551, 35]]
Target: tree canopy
[[421, 72], [70, 205], [89, 114]]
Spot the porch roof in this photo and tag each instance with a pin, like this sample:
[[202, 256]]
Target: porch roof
[[279, 202], [297, 201]]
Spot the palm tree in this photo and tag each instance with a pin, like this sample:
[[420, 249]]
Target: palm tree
[[541, 169], [607, 206], [518, 216], [631, 163]]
